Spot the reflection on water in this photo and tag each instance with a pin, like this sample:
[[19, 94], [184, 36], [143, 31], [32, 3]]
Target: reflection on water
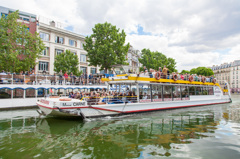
[[201, 132]]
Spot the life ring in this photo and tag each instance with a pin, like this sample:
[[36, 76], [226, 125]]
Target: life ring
[[203, 79], [190, 78], [175, 77], [157, 75], [65, 99], [214, 81]]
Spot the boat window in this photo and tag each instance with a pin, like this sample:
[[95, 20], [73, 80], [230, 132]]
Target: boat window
[[144, 93], [205, 90], [176, 93], [192, 90], [167, 93], [5, 93], [185, 95], [198, 90], [211, 91], [18, 93], [40, 92], [156, 93], [30, 93]]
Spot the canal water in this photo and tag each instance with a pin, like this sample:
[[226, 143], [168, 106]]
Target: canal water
[[200, 132]]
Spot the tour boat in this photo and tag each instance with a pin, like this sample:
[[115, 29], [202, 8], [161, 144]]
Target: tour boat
[[147, 94]]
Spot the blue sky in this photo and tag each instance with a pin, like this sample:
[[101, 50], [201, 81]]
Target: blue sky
[[194, 33]]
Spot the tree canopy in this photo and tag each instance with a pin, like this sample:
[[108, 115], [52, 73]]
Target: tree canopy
[[19, 49], [202, 71], [185, 71], [105, 46], [156, 59], [67, 62]]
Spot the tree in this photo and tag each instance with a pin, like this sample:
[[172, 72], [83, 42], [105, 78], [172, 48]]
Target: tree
[[202, 71], [67, 62], [155, 60], [105, 46], [185, 71], [19, 48]]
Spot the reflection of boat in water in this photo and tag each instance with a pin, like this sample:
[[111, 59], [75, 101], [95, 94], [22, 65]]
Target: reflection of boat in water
[[128, 136], [144, 94]]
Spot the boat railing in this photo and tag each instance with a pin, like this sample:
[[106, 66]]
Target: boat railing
[[110, 100], [178, 77], [39, 79]]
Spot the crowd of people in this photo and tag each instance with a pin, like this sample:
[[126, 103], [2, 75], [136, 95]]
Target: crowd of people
[[165, 74], [60, 78], [103, 97]]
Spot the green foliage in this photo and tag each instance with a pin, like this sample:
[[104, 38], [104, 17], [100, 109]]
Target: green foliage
[[67, 61], [155, 60], [19, 48], [105, 46], [202, 71], [184, 72]]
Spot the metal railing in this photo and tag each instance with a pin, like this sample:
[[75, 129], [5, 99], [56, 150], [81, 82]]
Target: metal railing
[[37, 79], [110, 100]]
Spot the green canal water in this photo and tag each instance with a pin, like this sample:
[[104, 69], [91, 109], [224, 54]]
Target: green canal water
[[211, 132]]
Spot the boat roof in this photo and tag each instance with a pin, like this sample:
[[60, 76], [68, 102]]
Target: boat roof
[[133, 78]]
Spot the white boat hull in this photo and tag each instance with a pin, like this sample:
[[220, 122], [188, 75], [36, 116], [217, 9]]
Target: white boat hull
[[119, 109]]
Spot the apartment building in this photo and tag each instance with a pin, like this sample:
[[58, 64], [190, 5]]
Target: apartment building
[[132, 59], [30, 20], [229, 72], [57, 41]]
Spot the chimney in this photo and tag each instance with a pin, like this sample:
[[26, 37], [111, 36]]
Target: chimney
[[52, 23]]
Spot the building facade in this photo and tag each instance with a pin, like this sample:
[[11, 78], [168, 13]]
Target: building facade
[[229, 72], [30, 20], [57, 41], [132, 59]]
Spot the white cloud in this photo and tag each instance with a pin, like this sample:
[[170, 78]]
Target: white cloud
[[191, 32]]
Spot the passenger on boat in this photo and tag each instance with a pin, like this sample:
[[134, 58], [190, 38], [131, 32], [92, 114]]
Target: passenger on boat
[[165, 71], [146, 73], [150, 73], [160, 69], [195, 77], [144, 68], [145, 96], [155, 96], [141, 74], [182, 77], [200, 78]]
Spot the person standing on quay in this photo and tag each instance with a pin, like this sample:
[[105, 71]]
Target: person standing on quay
[[66, 77]]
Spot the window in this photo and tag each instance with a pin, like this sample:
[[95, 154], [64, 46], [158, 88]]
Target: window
[[210, 92], [185, 95], [59, 40], [58, 51], [93, 70], [144, 93], [44, 36], [198, 90], [83, 69], [45, 52], [192, 90], [176, 93], [156, 93], [33, 20], [167, 93], [4, 15], [72, 43], [81, 45], [83, 58], [43, 66]]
